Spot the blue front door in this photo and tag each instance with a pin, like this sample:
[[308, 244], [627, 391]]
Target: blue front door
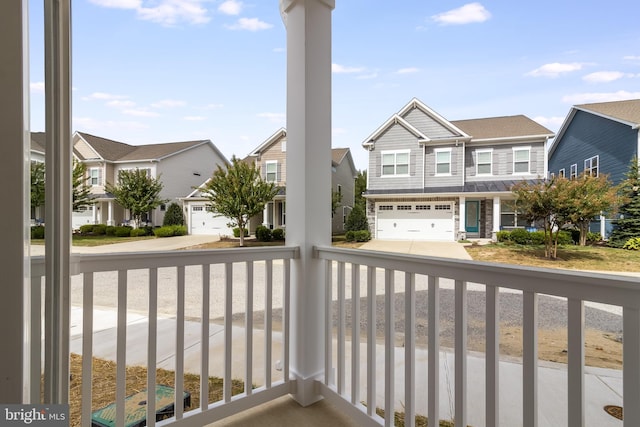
[[472, 220]]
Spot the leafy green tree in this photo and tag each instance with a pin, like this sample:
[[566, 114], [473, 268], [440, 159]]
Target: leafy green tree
[[37, 184], [80, 186], [137, 192], [628, 225], [336, 201], [238, 192], [360, 188], [173, 215], [357, 219]]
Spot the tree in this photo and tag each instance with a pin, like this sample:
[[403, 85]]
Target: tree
[[587, 197], [357, 219], [238, 193], [37, 184], [360, 188], [336, 201], [80, 186], [628, 224], [137, 192], [173, 216]]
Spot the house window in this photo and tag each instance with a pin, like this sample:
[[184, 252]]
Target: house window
[[404, 207], [591, 166], [561, 173], [163, 207], [442, 207], [443, 161], [521, 160], [385, 207], [509, 215], [271, 174], [483, 162], [94, 176], [340, 189], [574, 171], [198, 208], [423, 207], [395, 163]]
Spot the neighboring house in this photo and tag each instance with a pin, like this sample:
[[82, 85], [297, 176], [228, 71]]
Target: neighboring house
[[599, 138], [180, 166], [271, 157], [37, 155], [434, 179], [201, 220]]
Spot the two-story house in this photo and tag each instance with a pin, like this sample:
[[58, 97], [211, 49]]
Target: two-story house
[[180, 166], [598, 138], [271, 157], [434, 179]]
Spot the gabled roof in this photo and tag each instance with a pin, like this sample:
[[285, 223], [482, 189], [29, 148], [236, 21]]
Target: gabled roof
[[115, 151], [394, 120], [338, 155], [416, 103], [280, 133], [492, 128], [38, 142], [625, 112]]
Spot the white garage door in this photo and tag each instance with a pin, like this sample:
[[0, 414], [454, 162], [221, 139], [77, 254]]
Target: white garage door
[[415, 221], [204, 222]]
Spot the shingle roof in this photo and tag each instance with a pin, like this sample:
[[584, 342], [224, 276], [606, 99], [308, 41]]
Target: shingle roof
[[38, 141], [337, 154], [119, 151], [628, 111], [501, 127]]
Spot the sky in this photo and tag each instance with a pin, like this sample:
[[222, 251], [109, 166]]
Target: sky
[[151, 71]]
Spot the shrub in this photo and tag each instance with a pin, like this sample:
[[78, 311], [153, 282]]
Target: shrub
[[173, 215], [536, 237], [236, 232], [179, 230], [123, 231], [519, 236], [564, 238], [633, 244], [362, 235], [100, 229], [263, 234], [357, 219], [137, 232], [86, 228], [278, 234], [37, 232], [503, 236], [110, 230], [593, 237], [170, 230]]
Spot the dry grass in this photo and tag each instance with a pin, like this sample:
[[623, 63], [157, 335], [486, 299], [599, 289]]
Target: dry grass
[[251, 242]]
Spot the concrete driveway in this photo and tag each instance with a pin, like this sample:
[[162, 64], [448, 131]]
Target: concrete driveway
[[417, 247]]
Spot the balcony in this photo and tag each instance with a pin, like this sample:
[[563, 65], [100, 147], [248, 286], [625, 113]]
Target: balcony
[[190, 311]]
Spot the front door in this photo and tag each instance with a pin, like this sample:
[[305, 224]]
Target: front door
[[472, 221]]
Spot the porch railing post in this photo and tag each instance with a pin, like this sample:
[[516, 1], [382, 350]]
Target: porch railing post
[[308, 25]]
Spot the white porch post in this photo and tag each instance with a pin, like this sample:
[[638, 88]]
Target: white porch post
[[603, 226], [308, 25], [462, 223], [265, 215], [497, 213], [95, 212], [14, 161], [110, 220]]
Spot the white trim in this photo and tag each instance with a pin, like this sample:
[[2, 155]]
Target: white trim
[[528, 149], [395, 163], [484, 151], [442, 150], [266, 170], [597, 167], [573, 171], [562, 173]]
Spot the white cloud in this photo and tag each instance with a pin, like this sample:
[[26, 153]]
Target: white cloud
[[194, 118], [583, 98], [555, 69], [467, 14], [103, 96], [91, 124], [118, 4], [408, 70], [168, 103], [230, 7], [550, 122], [279, 49], [118, 103], [250, 24], [213, 106], [37, 87], [140, 113], [632, 57], [273, 117], [338, 131], [341, 69], [164, 12], [367, 76], [604, 76]]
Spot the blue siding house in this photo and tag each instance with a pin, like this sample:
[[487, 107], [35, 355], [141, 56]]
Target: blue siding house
[[599, 138]]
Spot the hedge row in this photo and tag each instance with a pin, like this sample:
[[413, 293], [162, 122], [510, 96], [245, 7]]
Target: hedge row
[[265, 234]]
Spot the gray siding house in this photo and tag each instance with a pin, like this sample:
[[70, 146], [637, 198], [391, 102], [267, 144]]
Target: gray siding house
[[434, 179]]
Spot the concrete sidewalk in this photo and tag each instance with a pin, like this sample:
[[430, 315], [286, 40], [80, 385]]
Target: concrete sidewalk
[[416, 247], [603, 386]]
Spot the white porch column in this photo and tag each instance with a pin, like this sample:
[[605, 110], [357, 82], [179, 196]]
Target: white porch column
[[308, 25], [110, 220], [603, 226], [95, 208], [265, 215], [462, 222], [497, 213], [14, 172]]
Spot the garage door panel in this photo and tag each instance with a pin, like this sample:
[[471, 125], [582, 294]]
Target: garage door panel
[[427, 223], [208, 223]]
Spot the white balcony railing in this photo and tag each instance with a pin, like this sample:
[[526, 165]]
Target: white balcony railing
[[373, 282]]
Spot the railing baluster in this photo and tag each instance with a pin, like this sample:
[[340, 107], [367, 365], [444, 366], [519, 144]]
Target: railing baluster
[[409, 349], [389, 347], [492, 398], [461, 353], [204, 337], [121, 347], [575, 361], [371, 341], [328, 319], [631, 366], [248, 320], [341, 316], [355, 334], [530, 359], [36, 338], [228, 323], [87, 346], [268, 332], [152, 346], [179, 388], [433, 374], [286, 315]]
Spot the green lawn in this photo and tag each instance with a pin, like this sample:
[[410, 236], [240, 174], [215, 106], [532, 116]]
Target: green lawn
[[85, 240]]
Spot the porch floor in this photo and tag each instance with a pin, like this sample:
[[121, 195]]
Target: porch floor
[[285, 411]]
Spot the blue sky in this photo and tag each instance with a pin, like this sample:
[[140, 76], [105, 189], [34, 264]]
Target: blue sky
[[148, 71]]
